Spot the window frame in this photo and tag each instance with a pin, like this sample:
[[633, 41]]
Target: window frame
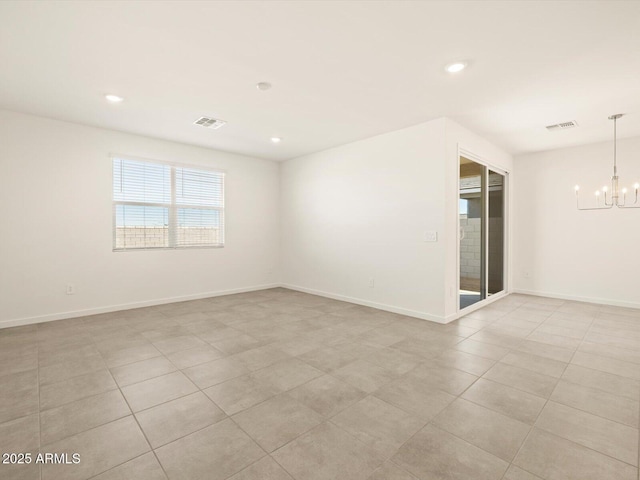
[[171, 207]]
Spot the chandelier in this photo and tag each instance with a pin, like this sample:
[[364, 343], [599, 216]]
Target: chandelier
[[616, 197]]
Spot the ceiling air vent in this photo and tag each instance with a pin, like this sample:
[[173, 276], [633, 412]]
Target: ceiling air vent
[[563, 125], [208, 122]]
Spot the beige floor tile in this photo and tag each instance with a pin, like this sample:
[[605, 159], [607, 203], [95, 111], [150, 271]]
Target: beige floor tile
[[194, 356], [606, 382], [378, 424], [145, 467], [18, 395], [141, 371], [157, 390], [555, 340], [214, 372], [419, 347], [435, 454], [466, 362], [327, 452], [213, 453], [20, 434], [390, 471], [616, 408], [130, 355], [100, 449], [277, 421], [613, 341], [157, 333], [218, 334], [554, 458], [509, 401], [606, 436], [169, 421], [18, 358], [516, 473], [365, 375], [522, 379], [498, 339], [535, 363], [484, 428], [51, 356], [241, 393], [264, 469], [297, 345], [288, 374], [383, 337], [395, 361], [624, 354], [58, 372], [414, 396], [237, 344], [327, 359], [503, 327], [59, 393], [75, 417], [327, 395], [545, 350], [450, 380], [260, 357], [482, 349], [607, 364], [175, 344]]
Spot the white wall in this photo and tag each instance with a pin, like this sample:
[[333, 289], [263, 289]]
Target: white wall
[[592, 256], [56, 217], [359, 212]]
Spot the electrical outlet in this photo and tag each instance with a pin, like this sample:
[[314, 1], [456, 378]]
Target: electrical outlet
[[71, 289], [372, 282]]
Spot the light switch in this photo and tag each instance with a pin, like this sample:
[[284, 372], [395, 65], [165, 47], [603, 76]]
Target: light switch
[[430, 236]]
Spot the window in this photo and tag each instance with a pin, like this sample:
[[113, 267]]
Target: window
[[157, 205]]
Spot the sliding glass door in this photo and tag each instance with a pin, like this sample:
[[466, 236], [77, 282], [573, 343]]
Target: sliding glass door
[[482, 232]]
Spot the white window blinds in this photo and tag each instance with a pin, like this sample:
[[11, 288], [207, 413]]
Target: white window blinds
[[158, 205]]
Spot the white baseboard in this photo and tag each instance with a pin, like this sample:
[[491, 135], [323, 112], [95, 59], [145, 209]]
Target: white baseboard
[[368, 303], [576, 298], [358, 301], [128, 306]]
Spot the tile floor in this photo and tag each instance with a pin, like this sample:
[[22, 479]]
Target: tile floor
[[276, 385]]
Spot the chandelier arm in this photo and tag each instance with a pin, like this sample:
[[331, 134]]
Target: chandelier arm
[[629, 206], [598, 208], [615, 136]]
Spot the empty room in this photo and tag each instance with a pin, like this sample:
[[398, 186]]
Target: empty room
[[319, 240]]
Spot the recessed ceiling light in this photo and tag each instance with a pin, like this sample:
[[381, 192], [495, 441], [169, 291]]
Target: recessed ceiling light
[[455, 67], [263, 86], [113, 98], [276, 139]]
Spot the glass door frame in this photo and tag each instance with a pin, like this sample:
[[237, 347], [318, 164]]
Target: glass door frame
[[462, 152]]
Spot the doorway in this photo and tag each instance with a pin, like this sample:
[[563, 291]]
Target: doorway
[[481, 212]]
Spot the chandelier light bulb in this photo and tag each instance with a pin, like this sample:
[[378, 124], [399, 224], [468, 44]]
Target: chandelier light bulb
[[576, 188], [624, 190], [636, 186], [604, 189], [597, 193]]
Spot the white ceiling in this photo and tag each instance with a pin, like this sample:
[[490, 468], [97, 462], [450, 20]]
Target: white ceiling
[[341, 70]]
